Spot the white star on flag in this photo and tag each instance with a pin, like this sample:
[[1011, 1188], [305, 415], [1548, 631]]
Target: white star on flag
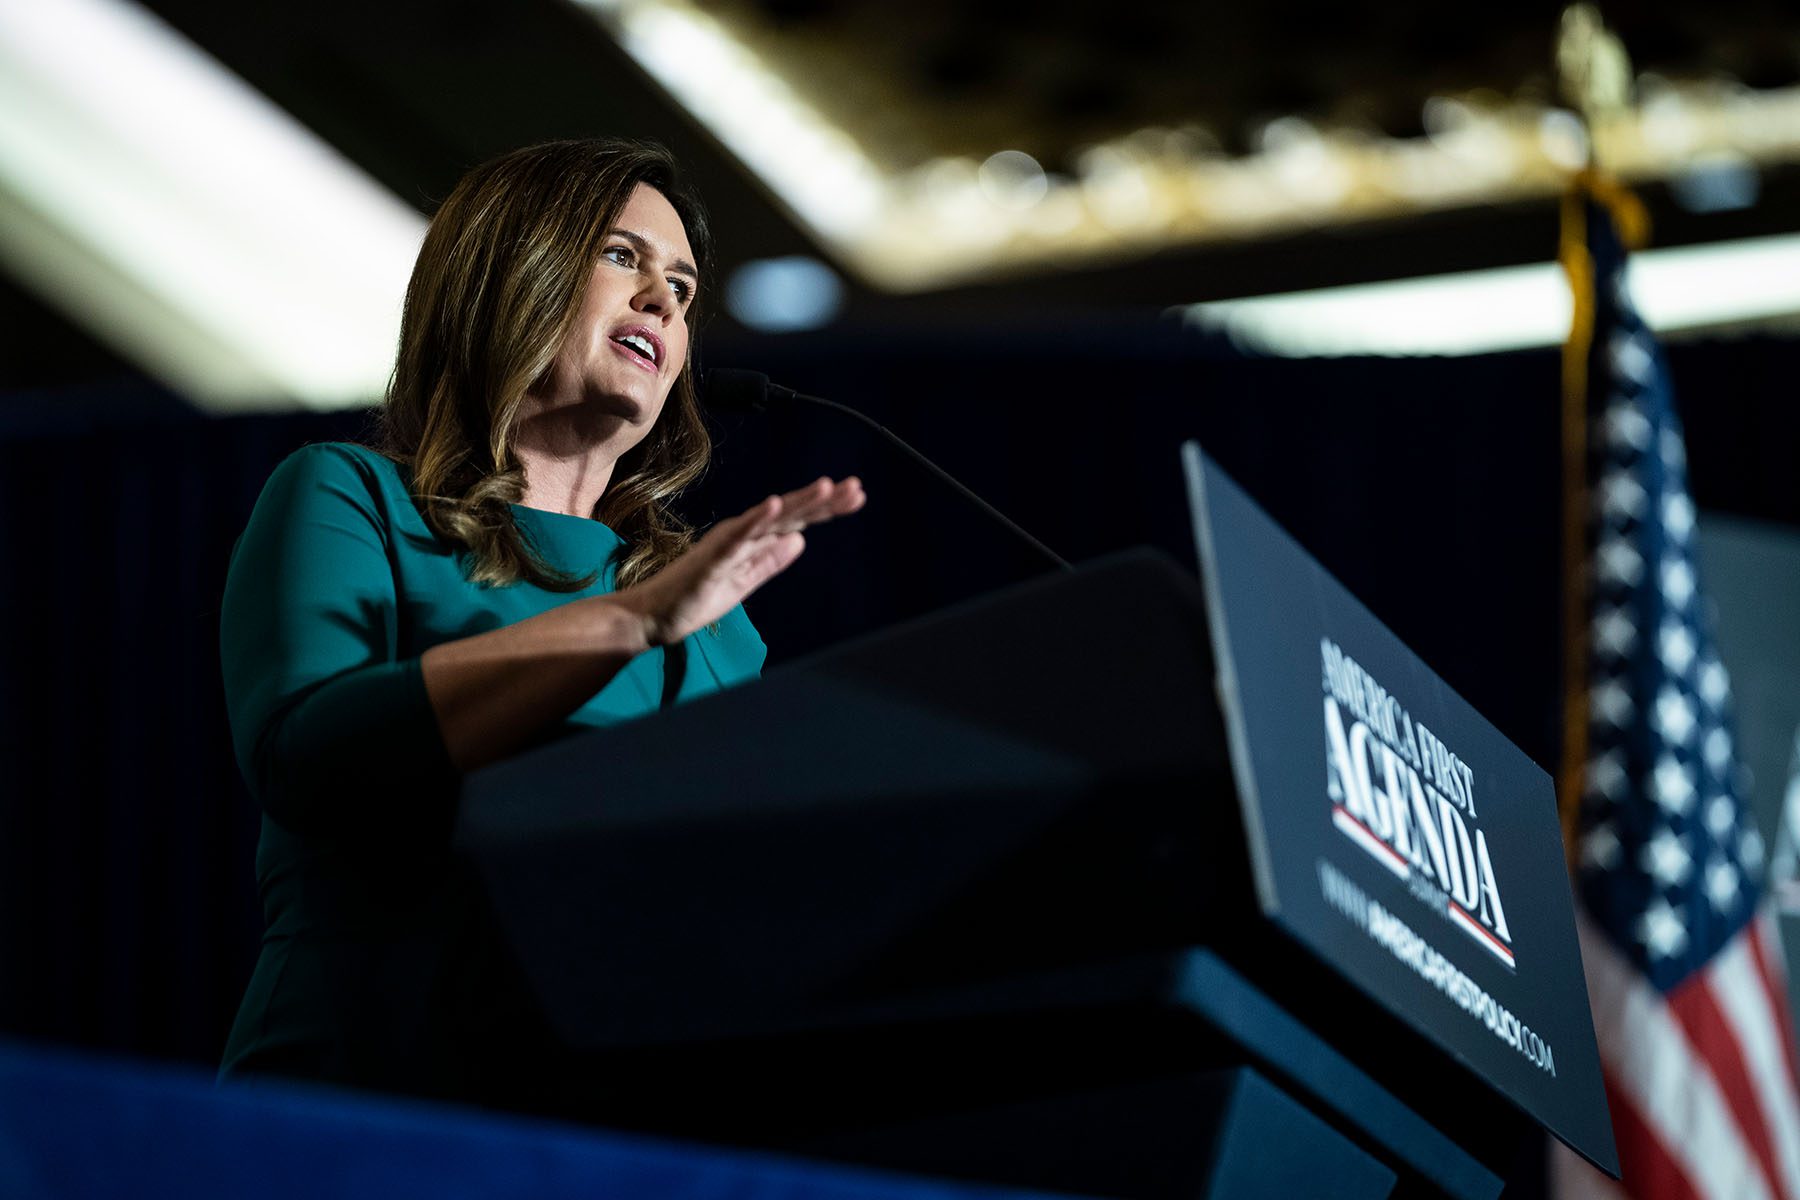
[[1674, 454], [1621, 496], [1676, 647], [1717, 750], [1677, 581], [1614, 632], [1750, 849], [1661, 930], [1666, 858], [1610, 702], [1674, 716], [1627, 428], [1672, 786], [1606, 774], [1630, 358], [1715, 684], [1721, 815], [1600, 848], [1620, 563], [1678, 515], [1721, 884]]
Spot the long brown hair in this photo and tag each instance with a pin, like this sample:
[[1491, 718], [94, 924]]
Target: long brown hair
[[495, 291]]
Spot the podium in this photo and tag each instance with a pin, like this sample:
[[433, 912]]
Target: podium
[[999, 895]]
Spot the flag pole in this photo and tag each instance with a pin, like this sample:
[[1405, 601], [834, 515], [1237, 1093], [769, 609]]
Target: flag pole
[[1594, 77], [1578, 267]]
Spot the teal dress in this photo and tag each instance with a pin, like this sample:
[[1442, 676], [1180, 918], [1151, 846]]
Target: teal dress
[[377, 968]]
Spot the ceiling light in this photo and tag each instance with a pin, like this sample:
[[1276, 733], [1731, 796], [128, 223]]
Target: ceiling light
[[817, 170], [1512, 308], [1013, 179], [165, 204]]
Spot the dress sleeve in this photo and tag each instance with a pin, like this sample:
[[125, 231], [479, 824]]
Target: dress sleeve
[[738, 651], [332, 730]]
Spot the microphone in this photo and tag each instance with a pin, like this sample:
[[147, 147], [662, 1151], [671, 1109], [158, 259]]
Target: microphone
[[734, 390]]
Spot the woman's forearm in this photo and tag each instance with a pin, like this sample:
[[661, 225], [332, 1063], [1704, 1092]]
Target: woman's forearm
[[495, 692]]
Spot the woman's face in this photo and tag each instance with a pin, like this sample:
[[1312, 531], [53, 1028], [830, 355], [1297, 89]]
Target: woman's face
[[630, 337]]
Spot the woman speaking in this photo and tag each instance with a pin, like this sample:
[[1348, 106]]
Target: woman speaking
[[505, 566]]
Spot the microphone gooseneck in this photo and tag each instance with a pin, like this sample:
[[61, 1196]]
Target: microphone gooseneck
[[735, 390]]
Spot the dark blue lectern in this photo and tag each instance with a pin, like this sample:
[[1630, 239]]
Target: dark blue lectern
[[1113, 884]]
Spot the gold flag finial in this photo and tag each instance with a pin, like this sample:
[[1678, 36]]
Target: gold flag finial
[[1592, 68]]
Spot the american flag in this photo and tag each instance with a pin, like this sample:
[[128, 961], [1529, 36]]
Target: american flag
[[1683, 964]]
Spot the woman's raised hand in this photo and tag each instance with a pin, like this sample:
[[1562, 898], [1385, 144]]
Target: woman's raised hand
[[734, 558]]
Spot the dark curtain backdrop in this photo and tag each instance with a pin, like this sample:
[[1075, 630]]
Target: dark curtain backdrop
[[127, 911]]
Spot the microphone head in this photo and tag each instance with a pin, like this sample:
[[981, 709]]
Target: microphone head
[[734, 390]]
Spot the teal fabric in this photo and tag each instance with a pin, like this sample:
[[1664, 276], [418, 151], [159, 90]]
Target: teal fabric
[[335, 589]]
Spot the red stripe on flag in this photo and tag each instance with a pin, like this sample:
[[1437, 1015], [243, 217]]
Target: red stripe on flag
[[1774, 981], [1647, 1169], [1716, 1046]]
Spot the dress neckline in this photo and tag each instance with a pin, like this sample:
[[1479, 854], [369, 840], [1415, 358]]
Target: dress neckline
[[565, 520], [569, 543]]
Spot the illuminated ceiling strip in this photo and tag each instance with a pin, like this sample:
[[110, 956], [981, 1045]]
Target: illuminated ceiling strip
[[944, 222], [815, 168], [1513, 308], [166, 205]]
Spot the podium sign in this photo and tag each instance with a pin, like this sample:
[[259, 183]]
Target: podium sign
[[1393, 831]]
